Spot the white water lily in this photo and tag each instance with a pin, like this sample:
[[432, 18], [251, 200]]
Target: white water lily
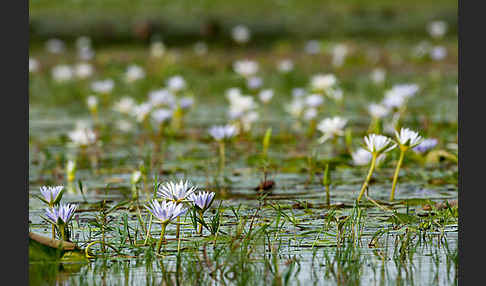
[[124, 125], [221, 132], [331, 127], [438, 53], [241, 34], [186, 102], [245, 68], [103, 86], [298, 92], [437, 29], [82, 136], [378, 110], [176, 192], [378, 144], [33, 65], [285, 66], [322, 82], [161, 115], [55, 46], [266, 95], [92, 102], [314, 100], [378, 75], [157, 49], [296, 107], [398, 94], [248, 119], [176, 83], [362, 157], [408, 138], [142, 111], [254, 82], [161, 97], [134, 73], [62, 73], [125, 105], [83, 70], [339, 53], [239, 104], [310, 114]]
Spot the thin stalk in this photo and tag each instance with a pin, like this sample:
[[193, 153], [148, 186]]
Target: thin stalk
[[328, 196], [221, 157], [397, 170], [178, 226], [370, 172], [148, 230], [53, 231], [200, 224], [162, 237]]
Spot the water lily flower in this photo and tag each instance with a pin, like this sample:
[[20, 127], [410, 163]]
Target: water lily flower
[[285, 66], [33, 65], [312, 47], [239, 104], [161, 97], [161, 115], [437, 29], [176, 192], [241, 34], [245, 68], [378, 144], [83, 70], [378, 110], [202, 200], [266, 95], [314, 100], [378, 76], [92, 102], [62, 73], [248, 119], [51, 195], [83, 45], [134, 73], [55, 46], [142, 111], [425, 145], [125, 105], [310, 114], [339, 53], [176, 83], [438, 53], [124, 125], [323, 82], [223, 132], [103, 86], [396, 96], [60, 216], [331, 127], [296, 107], [254, 82], [82, 136], [71, 170], [157, 49], [186, 102], [362, 157]]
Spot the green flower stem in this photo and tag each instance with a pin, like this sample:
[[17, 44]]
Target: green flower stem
[[221, 156], [397, 170], [200, 224], [63, 233], [53, 231], [162, 237], [328, 196], [178, 227], [370, 172], [148, 230]]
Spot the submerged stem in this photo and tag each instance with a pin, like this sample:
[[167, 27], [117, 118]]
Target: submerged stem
[[397, 170], [370, 172]]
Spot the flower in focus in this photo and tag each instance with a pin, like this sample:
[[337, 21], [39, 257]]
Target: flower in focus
[[223, 132], [176, 192], [240, 34], [165, 211], [134, 73], [203, 200], [378, 144], [407, 138], [331, 127], [425, 145], [51, 195], [62, 73], [61, 214]]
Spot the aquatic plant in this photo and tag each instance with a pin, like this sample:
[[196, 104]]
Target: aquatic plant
[[201, 201], [60, 216]]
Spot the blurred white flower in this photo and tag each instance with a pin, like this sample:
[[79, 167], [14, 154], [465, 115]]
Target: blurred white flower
[[142, 111], [92, 102], [161, 115], [240, 34], [234, 91], [83, 70], [176, 83], [55, 46], [200, 48], [124, 125], [310, 114], [298, 92], [134, 73], [437, 29], [239, 104], [362, 157], [378, 144], [339, 53], [438, 53], [254, 82], [295, 107], [125, 105], [378, 76], [245, 68], [285, 66], [62, 73], [157, 49], [266, 95], [335, 93], [86, 53], [82, 135], [425, 145], [378, 110], [186, 102], [421, 49], [223, 132], [408, 138], [312, 47], [396, 96], [161, 97], [33, 65], [314, 100], [331, 127], [103, 86], [323, 82], [248, 118]]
